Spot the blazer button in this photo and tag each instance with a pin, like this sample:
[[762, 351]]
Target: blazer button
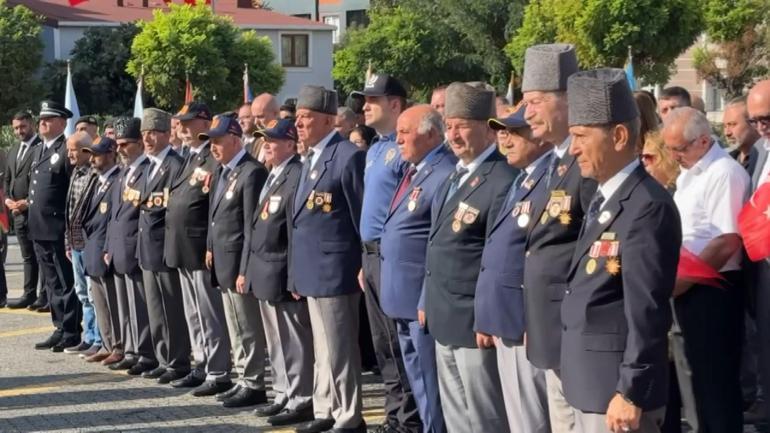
[[35, 182], [526, 254], [483, 269], [140, 230], [212, 224], [568, 292], [427, 272]]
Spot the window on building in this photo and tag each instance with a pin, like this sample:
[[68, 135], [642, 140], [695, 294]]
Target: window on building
[[294, 50], [357, 18], [333, 20]]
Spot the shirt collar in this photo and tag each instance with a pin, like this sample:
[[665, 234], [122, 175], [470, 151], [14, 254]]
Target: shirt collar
[[318, 148], [236, 159], [561, 149], [31, 140], [199, 149], [429, 157], [531, 167], [278, 169], [388, 137], [612, 184], [714, 153], [137, 162], [104, 176], [49, 143], [479, 159], [158, 159]]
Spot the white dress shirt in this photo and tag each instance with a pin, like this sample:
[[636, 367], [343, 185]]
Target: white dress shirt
[[132, 168], [611, 185], [158, 160], [318, 148], [709, 196], [475, 163]]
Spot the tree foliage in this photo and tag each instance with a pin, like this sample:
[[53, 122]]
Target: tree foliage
[[192, 41], [21, 54], [657, 31]]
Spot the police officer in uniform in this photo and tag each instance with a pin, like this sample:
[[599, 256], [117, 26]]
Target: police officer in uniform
[[120, 248], [185, 250], [266, 277], [464, 211], [558, 214], [49, 176], [403, 245], [326, 258], [165, 312], [616, 313], [236, 186]]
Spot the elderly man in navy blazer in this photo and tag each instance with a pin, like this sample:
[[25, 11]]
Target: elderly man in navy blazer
[[616, 313], [499, 298], [419, 135], [464, 210], [326, 258]]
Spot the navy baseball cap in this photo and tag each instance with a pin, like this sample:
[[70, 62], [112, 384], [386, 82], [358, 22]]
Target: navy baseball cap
[[101, 146], [193, 110], [514, 121], [91, 120], [283, 129], [222, 125], [382, 85]]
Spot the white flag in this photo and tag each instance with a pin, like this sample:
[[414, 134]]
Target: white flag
[[71, 103], [138, 105]]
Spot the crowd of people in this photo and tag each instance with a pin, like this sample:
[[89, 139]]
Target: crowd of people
[[520, 266]]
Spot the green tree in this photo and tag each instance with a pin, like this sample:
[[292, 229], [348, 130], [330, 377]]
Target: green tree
[[211, 50], [737, 47], [657, 31], [21, 55]]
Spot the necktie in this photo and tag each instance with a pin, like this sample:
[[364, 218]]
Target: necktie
[[22, 151], [403, 187], [514, 188], [593, 210], [306, 166], [221, 184], [551, 168], [455, 185], [151, 170], [266, 188]]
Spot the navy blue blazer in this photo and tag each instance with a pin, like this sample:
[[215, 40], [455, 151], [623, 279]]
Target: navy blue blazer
[[230, 217], [49, 183], [404, 238], [96, 216], [549, 250], [326, 244], [616, 313], [123, 228], [152, 215], [499, 298], [458, 231]]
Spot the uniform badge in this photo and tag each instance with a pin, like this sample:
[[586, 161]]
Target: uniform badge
[[54, 158], [591, 266], [561, 169], [103, 207], [313, 174], [612, 266], [528, 184], [475, 182], [456, 226], [390, 155], [274, 203], [604, 217]]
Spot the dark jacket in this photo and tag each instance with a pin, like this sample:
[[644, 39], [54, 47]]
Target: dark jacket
[[96, 216], [123, 229], [50, 178]]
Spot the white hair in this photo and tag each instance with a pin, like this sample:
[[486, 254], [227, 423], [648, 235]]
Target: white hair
[[432, 120], [80, 139], [694, 123]]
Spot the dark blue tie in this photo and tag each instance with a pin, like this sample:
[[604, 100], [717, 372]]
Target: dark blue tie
[[455, 183], [593, 211], [514, 188]]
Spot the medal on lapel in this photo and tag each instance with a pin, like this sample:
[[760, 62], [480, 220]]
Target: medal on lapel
[[590, 266], [612, 266], [274, 203], [264, 214], [524, 208], [310, 199], [327, 202], [561, 169], [313, 174], [166, 196], [412, 205], [103, 207], [456, 226], [604, 217], [475, 182]]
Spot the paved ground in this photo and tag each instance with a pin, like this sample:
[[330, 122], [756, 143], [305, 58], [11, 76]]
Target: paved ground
[[41, 391]]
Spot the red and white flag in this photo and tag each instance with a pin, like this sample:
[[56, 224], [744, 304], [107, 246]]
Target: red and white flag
[[693, 269], [754, 224]]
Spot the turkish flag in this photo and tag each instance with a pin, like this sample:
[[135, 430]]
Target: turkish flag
[[754, 224], [77, 2], [693, 269]]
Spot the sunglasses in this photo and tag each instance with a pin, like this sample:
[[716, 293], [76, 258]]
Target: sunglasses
[[763, 120]]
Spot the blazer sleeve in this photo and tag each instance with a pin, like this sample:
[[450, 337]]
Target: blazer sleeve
[[8, 170], [353, 186], [251, 189], [649, 259]]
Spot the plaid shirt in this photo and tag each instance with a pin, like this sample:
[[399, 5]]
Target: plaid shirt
[[78, 182]]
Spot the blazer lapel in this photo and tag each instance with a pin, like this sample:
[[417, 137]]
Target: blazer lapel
[[280, 180], [31, 149], [471, 184], [320, 169], [524, 190], [231, 178]]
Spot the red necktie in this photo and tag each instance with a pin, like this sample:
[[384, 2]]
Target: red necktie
[[403, 187]]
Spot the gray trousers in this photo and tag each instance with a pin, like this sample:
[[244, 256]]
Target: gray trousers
[[291, 353], [166, 320], [470, 390], [247, 337], [596, 422], [206, 315], [139, 338], [107, 316], [561, 414], [337, 372], [524, 389]]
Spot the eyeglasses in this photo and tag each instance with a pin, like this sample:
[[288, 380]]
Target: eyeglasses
[[681, 149], [764, 120]]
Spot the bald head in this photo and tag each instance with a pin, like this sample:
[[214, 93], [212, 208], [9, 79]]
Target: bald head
[[758, 107], [419, 130], [264, 109]]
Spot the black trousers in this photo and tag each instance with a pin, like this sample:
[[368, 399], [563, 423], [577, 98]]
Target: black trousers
[[28, 257], [66, 310], [712, 326], [400, 407]]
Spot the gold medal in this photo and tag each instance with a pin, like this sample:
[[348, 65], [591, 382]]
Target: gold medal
[[263, 215], [327, 208], [456, 226], [612, 266], [309, 204], [590, 266], [565, 218], [412, 205], [544, 217], [554, 209], [157, 201]]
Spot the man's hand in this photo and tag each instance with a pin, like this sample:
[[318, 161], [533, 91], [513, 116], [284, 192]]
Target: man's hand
[[106, 259], [421, 318], [622, 416], [209, 259], [296, 296], [361, 281], [484, 341], [10, 204], [240, 284], [22, 205]]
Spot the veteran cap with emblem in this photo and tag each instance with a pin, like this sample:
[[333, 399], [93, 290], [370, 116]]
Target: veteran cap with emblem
[[155, 119], [91, 120], [222, 125], [472, 101], [382, 85], [101, 146], [283, 129], [194, 110], [600, 97], [547, 67], [317, 98], [50, 108], [128, 128], [514, 121]]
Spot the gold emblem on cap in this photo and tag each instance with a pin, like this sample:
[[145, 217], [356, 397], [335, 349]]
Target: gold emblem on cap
[[272, 124], [185, 108], [215, 123]]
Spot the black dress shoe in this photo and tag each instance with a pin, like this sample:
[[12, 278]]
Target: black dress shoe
[[44, 309], [171, 376], [3, 302], [124, 364], [360, 429], [246, 396], [222, 396], [141, 367], [269, 410], [20, 303], [210, 387], [189, 381], [385, 428], [154, 373], [293, 416], [63, 344], [39, 303], [315, 426], [50, 342]]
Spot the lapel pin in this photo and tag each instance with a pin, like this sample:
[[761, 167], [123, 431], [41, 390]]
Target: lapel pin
[[604, 217]]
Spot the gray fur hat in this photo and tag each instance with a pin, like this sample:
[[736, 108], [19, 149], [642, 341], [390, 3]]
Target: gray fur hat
[[547, 67], [155, 119], [600, 97], [470, 101], [317, 98]]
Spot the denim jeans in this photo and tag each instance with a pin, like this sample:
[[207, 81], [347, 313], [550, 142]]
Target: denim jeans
[[83, 290]]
